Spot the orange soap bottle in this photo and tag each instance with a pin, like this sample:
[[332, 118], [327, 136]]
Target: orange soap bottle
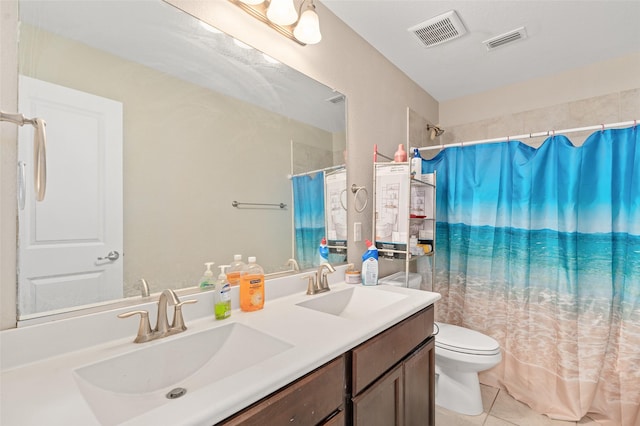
[[251, 286]]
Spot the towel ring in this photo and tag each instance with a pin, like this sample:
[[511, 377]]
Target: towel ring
[[343, 193], [356, 190]]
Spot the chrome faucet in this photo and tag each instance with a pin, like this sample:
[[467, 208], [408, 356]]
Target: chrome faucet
[[162, 329], [318, 283], [293, 264], [167, 297], [144, 288], [321, 276]]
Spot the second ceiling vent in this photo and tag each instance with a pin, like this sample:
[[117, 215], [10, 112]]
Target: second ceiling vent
[[506, 38], [439, 29]]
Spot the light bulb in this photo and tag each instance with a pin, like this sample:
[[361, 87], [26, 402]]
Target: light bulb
[[308, 28], [282, 12]]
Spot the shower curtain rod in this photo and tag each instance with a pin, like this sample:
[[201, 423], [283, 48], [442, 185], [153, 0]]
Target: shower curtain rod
[[326, 169], [531, 135]]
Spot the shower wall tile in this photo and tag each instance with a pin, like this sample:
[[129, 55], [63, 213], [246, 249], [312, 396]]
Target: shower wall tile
[[630, 105], [543, 119], [611, 108], [506, 125], [588, 112], [307, 158]]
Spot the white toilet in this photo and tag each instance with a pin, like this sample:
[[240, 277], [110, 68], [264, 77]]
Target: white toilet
[[460, 354]]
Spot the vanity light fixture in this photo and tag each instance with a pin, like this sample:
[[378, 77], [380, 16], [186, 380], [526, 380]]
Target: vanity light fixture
[[282, 16]]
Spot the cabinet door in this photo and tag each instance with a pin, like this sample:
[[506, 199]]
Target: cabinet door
[[382, 403], [419, 386]]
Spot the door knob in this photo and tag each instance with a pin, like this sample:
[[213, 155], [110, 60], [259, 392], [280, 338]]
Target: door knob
[[112, 255]]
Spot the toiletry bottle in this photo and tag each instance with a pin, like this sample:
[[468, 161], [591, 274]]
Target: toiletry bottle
[[400, 155], [323, 252], [207, 277], [370, 265], [416, 165], [251, 286], [233, 272], [222, 295]]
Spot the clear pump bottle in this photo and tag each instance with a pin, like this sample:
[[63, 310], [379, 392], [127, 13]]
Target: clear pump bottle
[[207, 278], [234, 270], [222, 295]]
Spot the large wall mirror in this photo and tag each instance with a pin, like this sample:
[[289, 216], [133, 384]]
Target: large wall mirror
[[156, 124]]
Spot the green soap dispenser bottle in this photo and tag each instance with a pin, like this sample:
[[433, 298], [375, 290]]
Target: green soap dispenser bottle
[[207, 278], [222, 295]]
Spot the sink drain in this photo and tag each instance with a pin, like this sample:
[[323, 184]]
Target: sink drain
[[176, 393]]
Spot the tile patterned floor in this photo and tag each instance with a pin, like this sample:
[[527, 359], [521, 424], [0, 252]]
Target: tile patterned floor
[[500, 409]]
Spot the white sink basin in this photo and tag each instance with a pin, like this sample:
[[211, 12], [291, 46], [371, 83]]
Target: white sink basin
[[130, 384], [354, 302]]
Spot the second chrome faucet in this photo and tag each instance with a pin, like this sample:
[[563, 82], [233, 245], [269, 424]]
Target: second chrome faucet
[[318, 283], [162, 329]]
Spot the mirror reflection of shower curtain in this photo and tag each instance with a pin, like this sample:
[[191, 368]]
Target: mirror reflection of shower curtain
[[540, 249], [308, 202]]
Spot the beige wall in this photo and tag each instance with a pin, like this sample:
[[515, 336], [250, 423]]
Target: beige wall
[[604, 92], [8, 163], [613, 107], [594, 81]]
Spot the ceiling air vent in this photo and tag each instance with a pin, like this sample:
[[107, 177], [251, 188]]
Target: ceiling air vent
[[439, 29], [336, 99], [506, 38]]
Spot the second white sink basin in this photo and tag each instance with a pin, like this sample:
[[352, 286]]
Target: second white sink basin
[[354, 302], [132, 383]]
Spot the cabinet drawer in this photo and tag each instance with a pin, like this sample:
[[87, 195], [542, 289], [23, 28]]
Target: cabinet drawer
[[307, 401], [371, 359]]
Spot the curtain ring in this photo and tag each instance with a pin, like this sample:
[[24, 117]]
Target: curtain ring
[[602, 131], [356, 189], [508, 138]]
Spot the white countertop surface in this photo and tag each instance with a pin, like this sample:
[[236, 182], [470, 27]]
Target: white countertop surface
[[44, 390]]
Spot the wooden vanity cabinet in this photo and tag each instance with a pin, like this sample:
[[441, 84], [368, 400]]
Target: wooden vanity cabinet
[[387, 380], [393, 375], [315, 399]]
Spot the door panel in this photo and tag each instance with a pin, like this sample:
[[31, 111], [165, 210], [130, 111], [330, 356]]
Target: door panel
[[80, 219]]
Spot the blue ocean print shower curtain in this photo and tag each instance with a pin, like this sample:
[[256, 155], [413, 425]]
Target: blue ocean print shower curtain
[[308, 206], [540, 249]]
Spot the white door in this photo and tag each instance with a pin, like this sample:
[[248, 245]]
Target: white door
[[80, 220]]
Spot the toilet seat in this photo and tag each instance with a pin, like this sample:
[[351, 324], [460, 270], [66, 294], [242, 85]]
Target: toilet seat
[[458, 339]]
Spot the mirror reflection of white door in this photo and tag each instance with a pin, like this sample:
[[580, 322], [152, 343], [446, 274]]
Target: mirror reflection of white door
[[80, 220]]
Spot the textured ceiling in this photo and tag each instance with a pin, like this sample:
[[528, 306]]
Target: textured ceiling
[[561, 35]]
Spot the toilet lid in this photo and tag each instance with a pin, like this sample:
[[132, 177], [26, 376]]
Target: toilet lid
[[464, 340]]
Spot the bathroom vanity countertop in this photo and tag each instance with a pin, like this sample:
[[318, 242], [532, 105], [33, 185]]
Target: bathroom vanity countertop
[[46, 392]]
